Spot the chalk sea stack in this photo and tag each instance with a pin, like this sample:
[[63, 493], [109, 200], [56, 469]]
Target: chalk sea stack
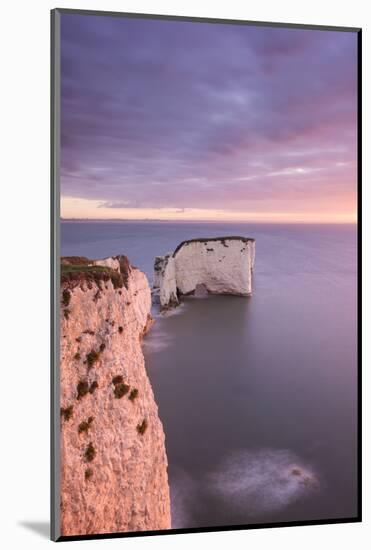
[[219, 265], [113, 459]]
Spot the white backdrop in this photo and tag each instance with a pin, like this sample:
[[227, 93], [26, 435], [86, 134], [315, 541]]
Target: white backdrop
[[24, 192]]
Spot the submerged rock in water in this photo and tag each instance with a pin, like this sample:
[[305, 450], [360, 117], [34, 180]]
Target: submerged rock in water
[[262, 481], [199, 266]]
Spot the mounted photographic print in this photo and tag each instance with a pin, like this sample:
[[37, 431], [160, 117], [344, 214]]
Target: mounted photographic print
[[205, 234]]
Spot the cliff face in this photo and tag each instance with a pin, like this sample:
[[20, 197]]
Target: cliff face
[[164, 280], [219, 265], [113, 459]]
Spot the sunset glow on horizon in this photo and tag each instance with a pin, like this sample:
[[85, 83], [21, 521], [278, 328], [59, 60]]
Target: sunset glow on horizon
[[74, 208], [195, 121]]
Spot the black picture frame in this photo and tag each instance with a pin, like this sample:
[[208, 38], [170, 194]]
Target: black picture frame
[[55, 272]]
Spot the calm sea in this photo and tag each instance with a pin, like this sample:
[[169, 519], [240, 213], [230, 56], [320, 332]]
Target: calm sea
[[258, 396]]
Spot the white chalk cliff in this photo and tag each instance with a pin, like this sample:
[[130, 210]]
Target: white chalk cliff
[[113, 459], [219, 265]]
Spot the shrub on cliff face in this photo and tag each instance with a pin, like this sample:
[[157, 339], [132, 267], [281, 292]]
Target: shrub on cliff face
[[66, 297], [121, 330], [82, 388], [117, 280], [93, 386], [92, 357], [102, 347], [88, 474], [121, 390], [133, 394], [85, 425], [90, 452], [124, 269], [142, 427], [77, 356], [67, 413]]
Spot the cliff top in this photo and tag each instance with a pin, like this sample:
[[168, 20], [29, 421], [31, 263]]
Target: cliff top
[[78, 269], [206, 240]]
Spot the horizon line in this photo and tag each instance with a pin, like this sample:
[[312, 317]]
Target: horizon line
[[303, 222]]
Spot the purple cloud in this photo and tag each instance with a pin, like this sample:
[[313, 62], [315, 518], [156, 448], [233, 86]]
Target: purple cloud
[[185, 114]]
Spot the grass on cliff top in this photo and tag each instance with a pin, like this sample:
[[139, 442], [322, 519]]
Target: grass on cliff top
[[81, 260], [81, 268], [92, 273]]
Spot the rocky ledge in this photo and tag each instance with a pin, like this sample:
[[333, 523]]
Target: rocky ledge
[[221, 265], [113, 459]]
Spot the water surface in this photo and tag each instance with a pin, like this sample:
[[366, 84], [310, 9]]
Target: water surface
[[257, 395]]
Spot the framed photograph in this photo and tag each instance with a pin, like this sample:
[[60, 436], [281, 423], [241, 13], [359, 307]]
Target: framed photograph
[[206, 232]]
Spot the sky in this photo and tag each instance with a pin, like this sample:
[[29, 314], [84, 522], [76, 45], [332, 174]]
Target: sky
[[198, 121]]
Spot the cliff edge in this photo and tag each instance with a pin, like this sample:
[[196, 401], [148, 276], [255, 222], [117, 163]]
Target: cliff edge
[[221, 265], [113, 458]]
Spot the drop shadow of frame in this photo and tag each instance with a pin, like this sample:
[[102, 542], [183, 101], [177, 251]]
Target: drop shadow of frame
[[41, 528]]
